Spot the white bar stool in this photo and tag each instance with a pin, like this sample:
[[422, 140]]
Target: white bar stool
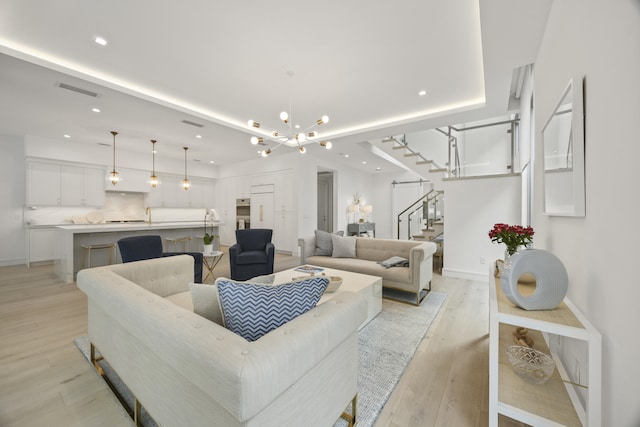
[[87, 248]]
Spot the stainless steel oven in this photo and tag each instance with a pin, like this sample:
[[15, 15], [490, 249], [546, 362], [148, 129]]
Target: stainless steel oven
[[243, 213]]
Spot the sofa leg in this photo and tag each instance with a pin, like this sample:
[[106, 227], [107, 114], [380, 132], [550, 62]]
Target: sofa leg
[[351, 418]]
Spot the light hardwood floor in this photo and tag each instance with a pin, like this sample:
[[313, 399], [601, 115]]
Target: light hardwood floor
[[44, 380]]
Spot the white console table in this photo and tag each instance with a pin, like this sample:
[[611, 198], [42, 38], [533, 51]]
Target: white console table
[[556, 402]]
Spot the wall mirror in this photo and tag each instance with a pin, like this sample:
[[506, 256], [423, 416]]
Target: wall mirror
[[563, 154]]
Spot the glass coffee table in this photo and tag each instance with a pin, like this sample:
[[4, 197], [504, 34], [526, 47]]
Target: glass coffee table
[[368, 286]]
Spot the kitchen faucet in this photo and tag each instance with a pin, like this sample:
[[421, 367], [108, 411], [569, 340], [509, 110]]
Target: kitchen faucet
[[148, 212]]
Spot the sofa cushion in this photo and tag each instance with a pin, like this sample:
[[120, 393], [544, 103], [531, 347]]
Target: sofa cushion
[[182, 299], [324, 246], [252, 310], [343, 247], [205, 302], [252, 257]]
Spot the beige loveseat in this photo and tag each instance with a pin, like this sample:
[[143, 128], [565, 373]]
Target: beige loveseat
[[414, 279], [188, 371]]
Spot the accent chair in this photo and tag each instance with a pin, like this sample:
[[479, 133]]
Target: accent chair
[[253, 253]]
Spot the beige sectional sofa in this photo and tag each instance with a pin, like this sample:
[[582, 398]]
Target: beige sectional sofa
[[187, 370], [414, 279]]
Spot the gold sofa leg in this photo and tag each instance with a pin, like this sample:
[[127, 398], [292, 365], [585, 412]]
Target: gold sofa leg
[[351, 418]]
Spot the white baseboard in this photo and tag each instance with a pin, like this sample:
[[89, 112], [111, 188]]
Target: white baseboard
[[467, 275]]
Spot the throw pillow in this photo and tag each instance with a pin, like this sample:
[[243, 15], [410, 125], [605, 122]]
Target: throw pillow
[[251, 310], [324, 247], [395, 261], [343, 247], [205, 302]]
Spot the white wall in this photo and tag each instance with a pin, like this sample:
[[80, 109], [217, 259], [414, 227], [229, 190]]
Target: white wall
[[473, 206], [13, 190], [602, 41]]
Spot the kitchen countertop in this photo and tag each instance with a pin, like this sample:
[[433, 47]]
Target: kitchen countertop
[[119, 226]]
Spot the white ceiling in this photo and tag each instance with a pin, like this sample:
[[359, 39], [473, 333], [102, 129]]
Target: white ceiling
[[221, 63]]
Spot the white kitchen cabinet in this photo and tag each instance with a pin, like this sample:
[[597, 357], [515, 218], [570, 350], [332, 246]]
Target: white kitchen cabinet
[[51, 184], [558, 401], [243, 187], [41, 241], [43, 184], [284, 238], [284, 191], [131, 180], [226, 208], [80, 186], [262, 210]]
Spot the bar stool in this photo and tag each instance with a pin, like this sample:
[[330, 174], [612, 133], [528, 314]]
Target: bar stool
[[176, 240], [86, 252]]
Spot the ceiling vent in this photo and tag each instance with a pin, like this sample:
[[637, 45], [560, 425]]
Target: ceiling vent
[[78, 89], [187, 122]]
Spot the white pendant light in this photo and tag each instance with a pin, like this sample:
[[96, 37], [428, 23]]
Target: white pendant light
[[113, 176]]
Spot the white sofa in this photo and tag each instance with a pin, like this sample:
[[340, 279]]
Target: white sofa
[[415, 279], [187, 370]]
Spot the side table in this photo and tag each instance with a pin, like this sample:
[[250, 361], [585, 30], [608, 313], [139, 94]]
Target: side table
[[210, 260]]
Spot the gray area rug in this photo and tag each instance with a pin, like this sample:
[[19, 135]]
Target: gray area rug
[[386, 345]]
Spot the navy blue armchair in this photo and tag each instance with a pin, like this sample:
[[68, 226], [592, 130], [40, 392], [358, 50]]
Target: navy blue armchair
[[252, 255], [138, 248]]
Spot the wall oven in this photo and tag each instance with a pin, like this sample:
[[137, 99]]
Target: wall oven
[[243, 213]]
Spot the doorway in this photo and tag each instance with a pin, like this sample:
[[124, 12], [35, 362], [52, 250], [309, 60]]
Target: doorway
[[325, 201]]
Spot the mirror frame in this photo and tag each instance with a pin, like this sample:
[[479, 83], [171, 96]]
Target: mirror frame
[[577, 202]]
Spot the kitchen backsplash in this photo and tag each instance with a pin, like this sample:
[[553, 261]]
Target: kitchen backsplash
[[117, 207]]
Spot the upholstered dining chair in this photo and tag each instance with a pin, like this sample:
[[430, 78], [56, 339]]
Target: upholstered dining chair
[[253, 253], [138, 248]]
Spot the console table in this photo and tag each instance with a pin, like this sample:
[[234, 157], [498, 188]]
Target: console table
[[558, 401], [361, 227]]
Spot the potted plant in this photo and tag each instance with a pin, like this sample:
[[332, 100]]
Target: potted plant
[[209, 237], [513, 236]]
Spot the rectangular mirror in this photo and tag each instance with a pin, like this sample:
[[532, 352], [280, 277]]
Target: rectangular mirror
[[563, 154]]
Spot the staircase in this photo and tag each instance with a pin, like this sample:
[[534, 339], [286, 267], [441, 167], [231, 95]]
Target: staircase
[[398, 148]]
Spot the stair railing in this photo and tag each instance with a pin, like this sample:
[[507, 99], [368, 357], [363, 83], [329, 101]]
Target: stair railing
[[414, 207]]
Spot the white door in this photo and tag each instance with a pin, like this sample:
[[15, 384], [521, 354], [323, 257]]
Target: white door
[[262, 210]]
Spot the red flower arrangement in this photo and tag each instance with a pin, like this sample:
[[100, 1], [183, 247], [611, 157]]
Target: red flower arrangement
[[511, 235]]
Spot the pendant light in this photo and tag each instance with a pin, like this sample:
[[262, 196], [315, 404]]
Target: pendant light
[[185, 182], [113, 175], [153, 180]]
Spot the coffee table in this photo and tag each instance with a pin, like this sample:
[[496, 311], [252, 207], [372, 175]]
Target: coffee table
[[368, 286]]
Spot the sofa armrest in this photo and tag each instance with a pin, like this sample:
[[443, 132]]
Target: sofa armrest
[[307, 246], [421, 264]]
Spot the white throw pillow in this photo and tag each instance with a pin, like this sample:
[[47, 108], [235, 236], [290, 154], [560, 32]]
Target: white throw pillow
[[206, 302], [343, 247]]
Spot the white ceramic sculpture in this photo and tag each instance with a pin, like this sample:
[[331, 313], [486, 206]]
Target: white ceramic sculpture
[[551, 277]]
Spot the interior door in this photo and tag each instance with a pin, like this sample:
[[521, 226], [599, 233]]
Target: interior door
[[325, 202]]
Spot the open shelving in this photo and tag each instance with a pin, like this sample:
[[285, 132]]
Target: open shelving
[[555, 403]]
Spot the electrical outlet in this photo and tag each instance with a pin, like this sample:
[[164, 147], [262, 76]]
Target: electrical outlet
[[483, 260]]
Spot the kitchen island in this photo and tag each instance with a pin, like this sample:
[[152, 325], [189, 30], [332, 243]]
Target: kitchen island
[[70, 238]]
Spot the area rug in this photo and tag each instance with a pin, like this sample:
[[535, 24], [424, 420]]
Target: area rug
[[386, 345]]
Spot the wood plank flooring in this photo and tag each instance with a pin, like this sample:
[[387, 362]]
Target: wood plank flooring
[[44, 380]]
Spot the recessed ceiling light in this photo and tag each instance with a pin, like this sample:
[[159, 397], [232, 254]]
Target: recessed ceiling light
[[99, 40], [95, 110], [211, 161], [378, 168], [422, 93], [198, 136], [346, 155], [67, 136], [364, 163]]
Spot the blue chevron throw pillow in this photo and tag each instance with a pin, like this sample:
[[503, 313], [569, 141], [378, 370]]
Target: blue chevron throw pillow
[[252, 310]]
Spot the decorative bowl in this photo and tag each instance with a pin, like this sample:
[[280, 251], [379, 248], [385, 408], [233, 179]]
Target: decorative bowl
[[334, 283], [530, 364]]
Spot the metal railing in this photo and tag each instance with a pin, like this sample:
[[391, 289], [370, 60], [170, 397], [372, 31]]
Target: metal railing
[[420, 206]]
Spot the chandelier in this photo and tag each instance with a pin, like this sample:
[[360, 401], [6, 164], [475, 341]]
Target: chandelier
[[153, 180], [293, 137]]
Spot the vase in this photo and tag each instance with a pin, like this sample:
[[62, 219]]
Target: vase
[[549, 276], [208, 248]]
